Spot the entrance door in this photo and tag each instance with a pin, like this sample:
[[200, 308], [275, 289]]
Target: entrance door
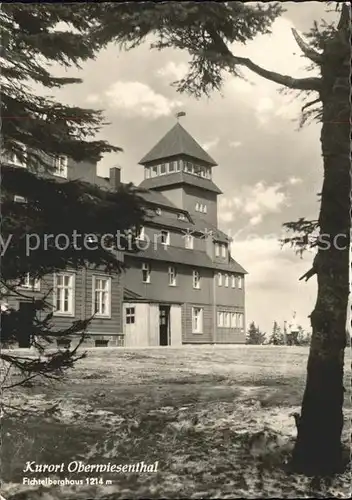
[[25, 326], [164, 322]]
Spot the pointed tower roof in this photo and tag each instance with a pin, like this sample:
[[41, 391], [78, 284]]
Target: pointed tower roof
[[176, 142]]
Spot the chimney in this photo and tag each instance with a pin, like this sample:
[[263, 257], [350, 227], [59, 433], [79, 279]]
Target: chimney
[[115, 177]]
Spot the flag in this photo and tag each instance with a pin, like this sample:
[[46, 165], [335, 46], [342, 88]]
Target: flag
[[180, 113]]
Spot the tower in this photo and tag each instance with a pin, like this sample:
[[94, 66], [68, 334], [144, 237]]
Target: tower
[[179, 168]]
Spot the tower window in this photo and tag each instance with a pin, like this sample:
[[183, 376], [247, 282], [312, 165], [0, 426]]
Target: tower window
[[154, 171], [162, 169], [173, 166]]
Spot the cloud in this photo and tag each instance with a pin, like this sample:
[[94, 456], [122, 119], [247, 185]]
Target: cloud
[[93, 98], [173, 70], [294, 180], [273, 290], [235, 144], [257, 219], [276, 52], [138, 99], [254, 201], [211, 144]]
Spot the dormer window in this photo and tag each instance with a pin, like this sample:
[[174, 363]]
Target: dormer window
[[158, 211], [141, 234], [165, 237], [189, 241], [181, 217]]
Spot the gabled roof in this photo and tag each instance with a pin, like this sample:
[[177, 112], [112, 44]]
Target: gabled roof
[[179, 178], [177, 142]]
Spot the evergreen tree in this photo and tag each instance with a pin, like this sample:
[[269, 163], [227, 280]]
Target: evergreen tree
[[206, 32], [303, 337], [276, 337], [254, 335], [37, 129]]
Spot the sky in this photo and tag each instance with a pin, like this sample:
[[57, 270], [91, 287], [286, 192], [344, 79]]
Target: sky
[[269, 171]]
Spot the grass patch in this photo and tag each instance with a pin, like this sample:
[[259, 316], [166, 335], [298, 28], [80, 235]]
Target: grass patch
[[218, 421]]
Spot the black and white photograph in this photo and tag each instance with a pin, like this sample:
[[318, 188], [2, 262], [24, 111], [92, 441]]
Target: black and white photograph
[[175, 280]]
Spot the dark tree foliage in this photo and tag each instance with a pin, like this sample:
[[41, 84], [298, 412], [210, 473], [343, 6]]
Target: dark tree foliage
[[254, 335], [276, 337], [210, 32], [37, 128]]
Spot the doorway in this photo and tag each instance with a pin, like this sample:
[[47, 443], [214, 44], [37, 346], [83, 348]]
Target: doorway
[[25, 324], [164, 325]]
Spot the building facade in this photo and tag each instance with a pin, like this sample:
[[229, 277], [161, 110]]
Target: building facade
[[181, 285]]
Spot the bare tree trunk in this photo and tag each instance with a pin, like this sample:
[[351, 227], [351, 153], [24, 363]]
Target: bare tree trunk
[[318, 450]]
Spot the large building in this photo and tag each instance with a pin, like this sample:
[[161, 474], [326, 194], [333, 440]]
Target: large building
[[182, 286]]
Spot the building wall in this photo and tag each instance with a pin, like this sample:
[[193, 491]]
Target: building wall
[[228, 295], [159, 289], [207, 335], [177, 239], [192, 195], [99, 328]]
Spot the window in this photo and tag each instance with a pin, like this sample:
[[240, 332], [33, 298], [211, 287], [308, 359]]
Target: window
[[237, 320], [197, 207], [146, 272], [130, 316], [217, 249], [227, 319], [219, 279], [178, 165], [163, 169], [197, 320], [15, 159], [239, 282], [172, 276], [189, 241], [165, 237], [220, 318], [226, 280], [64, 294], [19, 199], [233, 281], [101, 343], [196, 280], [205, 209], [60, 165], [101, 296], [30, 283], [223, 250], [154, 171], [141, 234], [146, 173], [158, 211], [188, 167], [172, 166], [181, 217]]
